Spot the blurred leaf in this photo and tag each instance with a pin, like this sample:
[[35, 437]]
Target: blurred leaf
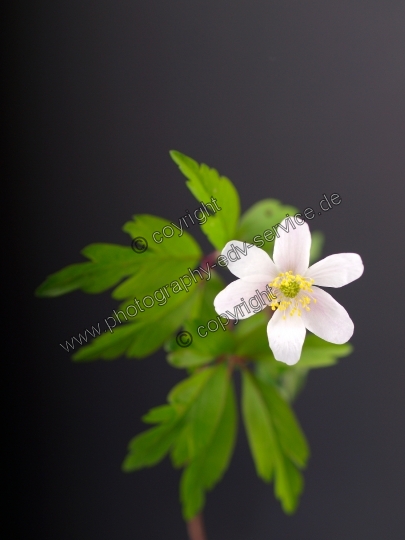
[[290, 382], [151, 446], [205, 184], [275, 439], [159, 415], [251, 337], [263, 216], [207, 469], [318, 240], [259, 218], [289, 484], [319, 353]]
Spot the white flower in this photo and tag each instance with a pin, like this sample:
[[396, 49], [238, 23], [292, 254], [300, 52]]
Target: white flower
[[297, 301]]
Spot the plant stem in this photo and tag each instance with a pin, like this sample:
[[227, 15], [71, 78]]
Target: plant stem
[[196, 529]]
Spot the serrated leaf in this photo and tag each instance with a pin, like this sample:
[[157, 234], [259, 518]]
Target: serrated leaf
[[207, 469], [186, 391], [142, 337], [163, 263], [205, 183], [151, 446], [159, 265], [109, 264]]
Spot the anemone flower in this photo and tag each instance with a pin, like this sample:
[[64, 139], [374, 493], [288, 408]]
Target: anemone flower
[[291, 290]]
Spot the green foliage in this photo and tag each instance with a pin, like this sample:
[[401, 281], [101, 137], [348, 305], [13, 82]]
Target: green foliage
[[197, 426], [266, 214], [207, 469], [260, 217], [251, 342], [109, 264], [277, 443], [205, 183], [141, 337], [317, 242], [202, 350], [161, 264]]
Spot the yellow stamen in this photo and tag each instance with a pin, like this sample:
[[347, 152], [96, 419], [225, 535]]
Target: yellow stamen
[[290, 290]]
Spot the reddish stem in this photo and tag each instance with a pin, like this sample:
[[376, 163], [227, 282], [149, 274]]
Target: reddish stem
[[210, 258], [196, 529]]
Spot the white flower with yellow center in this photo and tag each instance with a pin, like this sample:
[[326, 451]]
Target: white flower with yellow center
[[297, 302]]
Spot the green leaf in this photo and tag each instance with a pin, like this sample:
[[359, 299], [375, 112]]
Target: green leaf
[[110, 263], [261, 217], [143, 336], [290, 435], [277, 443], [163, 264], [317, 242], [251, 337], [207, 469], [290, 382], [159, 265], [150, 447], [259, 429], [184, 408], [203, 349], [265, 215], [252, 342], [185, 392], [159, 415], [289, 484], [208, 187], [318, 353], [202, 417]]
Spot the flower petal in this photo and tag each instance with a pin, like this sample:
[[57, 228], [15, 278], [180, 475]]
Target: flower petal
[[227, 301], [286, 337], [328, 319], [246, 260], [336, 270], [291, 249]]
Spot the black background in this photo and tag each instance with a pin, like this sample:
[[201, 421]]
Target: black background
[[290, 100]]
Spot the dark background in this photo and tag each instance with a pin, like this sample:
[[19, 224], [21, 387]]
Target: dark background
[[288, 99]]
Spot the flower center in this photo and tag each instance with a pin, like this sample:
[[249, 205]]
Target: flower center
[[288, 287]]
